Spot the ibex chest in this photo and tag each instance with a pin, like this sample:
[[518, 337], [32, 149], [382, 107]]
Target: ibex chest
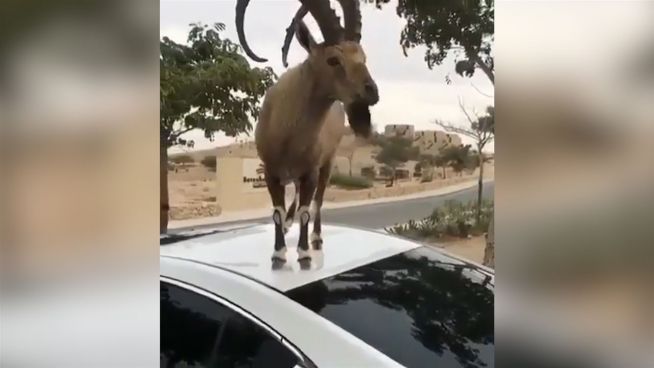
[[291, 158]]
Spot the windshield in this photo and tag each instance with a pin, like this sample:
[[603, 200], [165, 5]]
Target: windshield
[[421, 308]]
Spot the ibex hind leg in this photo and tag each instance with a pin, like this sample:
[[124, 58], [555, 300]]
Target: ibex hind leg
[[323, 180], [290, 215], [307, 190], [276, 190]]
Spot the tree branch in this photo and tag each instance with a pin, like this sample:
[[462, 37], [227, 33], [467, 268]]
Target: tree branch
[[174, 135], [480, 92], [464, 111], [486, 137], [484, 68], [454, 129]]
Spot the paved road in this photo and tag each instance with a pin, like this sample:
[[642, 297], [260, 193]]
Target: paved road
[[380, 215], [376, 216]]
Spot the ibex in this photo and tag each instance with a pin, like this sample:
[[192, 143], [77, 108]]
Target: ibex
[[302, 117]]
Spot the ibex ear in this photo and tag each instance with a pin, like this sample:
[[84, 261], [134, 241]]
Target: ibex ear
[[304, 36]]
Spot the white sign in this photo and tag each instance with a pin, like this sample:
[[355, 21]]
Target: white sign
[[254, 179], [253, 174]]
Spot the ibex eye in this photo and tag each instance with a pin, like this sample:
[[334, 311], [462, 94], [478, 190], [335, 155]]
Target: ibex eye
[[333, 61]]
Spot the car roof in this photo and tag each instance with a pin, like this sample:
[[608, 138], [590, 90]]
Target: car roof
[[247, 251]]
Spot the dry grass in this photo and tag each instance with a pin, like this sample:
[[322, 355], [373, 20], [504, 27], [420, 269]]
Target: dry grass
[[470, 248]]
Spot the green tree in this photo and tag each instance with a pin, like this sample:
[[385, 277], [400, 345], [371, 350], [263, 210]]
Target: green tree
[[394, 152], [205, 84], [377, 139], [426, 162], [349, 151], [437, 160], [182, 159], [457, 157], [209, 162], [465, 28], [417, 168], [482, 131]]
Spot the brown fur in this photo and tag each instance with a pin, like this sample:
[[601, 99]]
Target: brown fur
[[296, 133], [301, 123]]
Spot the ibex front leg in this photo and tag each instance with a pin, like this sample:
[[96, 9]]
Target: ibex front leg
[[323, 180], [277, 191], [307, 189]]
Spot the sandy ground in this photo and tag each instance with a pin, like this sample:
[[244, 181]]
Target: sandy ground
[[192, 193], [472, 248]]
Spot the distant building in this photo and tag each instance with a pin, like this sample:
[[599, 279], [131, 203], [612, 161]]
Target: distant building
[[430, 142], [406, 131], [358, 153]]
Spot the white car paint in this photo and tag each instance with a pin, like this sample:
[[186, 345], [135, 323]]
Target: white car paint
[[248, 250], [235, 266]]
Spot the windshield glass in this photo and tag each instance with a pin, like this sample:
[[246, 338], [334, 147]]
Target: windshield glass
[[421, 308]]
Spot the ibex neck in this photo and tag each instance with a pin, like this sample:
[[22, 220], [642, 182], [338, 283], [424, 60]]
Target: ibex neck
[[319, 95]]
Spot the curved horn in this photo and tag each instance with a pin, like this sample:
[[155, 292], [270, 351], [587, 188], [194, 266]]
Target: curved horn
[[241, 6], [289, 32], [351, 19], [329, 24]]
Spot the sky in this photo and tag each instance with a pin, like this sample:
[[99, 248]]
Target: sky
[[410, 93]]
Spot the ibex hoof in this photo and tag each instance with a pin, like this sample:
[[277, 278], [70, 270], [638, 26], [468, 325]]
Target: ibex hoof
[[278, 263], [316, 241], [278, 258], [304, 258]]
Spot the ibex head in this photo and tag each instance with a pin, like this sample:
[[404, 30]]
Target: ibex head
[[340, 67], [339, 62]]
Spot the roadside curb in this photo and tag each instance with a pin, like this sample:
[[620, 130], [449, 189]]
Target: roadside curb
[[263, 212], [428, 193]]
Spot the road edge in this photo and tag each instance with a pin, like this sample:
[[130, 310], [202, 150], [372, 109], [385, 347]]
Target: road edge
[[263, 212]]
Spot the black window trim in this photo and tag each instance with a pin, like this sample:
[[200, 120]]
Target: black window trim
[[303, 360]]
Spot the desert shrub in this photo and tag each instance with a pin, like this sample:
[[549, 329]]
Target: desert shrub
[[209, 162], [427, 176], [182, 159], [386, 171], [454, 218], [417, 170], [350, 182], [415, 229], [368, 172]]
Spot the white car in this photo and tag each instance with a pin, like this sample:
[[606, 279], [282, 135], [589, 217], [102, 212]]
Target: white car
[[369, 300]]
